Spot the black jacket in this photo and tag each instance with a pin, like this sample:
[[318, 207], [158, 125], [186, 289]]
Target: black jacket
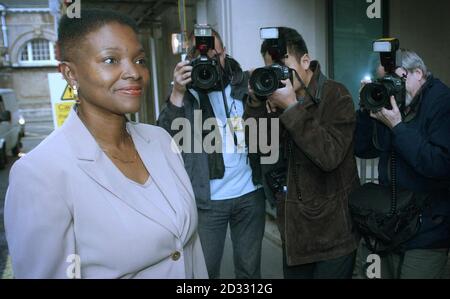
[[321, 170], [423, 157]]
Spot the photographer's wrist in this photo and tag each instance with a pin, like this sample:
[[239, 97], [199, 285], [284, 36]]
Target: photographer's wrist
[[176, 98], [290, 106], [253, 102]]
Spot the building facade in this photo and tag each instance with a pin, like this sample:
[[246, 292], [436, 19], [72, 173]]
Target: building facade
[[28, 54]]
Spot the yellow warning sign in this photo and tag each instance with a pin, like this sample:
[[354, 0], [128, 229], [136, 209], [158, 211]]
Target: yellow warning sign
[[62, 111], [68, 94]]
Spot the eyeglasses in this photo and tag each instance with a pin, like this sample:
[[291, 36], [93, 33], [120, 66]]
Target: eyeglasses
[[405, 72]]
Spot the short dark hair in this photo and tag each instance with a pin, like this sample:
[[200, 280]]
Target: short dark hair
[[72, 31], [294, 42]]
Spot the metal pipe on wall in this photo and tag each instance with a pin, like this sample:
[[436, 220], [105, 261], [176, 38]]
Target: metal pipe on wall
[[4, 31], [54, 7], [226, 25], [154, 77], [182, 15], [202, 12]]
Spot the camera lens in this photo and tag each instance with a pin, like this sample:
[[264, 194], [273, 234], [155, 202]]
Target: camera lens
[[377, 94], [374, 96], [264, 81], [204, 76]]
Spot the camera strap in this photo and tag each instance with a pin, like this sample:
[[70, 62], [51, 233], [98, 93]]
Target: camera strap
[[320, 82], [225, 102]]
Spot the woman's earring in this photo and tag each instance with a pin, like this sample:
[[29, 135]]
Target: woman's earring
[[75, 95]]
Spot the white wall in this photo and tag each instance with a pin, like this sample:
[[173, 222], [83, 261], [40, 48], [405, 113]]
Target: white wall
[[238, 21]]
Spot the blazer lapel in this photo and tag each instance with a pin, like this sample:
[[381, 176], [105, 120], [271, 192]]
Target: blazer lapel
[[103, 171]]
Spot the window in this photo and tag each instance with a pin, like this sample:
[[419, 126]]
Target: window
[[351, 35], [37, 52]]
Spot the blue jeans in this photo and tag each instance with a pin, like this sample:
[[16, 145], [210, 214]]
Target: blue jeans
[[246, 216]]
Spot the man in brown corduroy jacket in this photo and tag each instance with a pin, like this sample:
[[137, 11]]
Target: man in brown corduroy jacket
[[317, 127]]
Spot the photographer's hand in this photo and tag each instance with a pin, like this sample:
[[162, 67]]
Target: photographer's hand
[[390, 118], [283, 97], [255, 102], [181, 78], [270, 108]]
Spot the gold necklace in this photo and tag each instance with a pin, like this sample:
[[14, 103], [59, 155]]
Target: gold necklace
[[107, 151], [120, 159]]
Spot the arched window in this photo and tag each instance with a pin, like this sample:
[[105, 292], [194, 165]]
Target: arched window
[[37, 52]]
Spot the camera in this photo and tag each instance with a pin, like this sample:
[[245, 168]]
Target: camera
[[205, 75], [264, 81], [376, 95]]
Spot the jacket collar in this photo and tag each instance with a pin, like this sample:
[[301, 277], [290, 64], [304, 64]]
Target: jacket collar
[[103, 171], [410, 112], [311, 90], [83, 143]]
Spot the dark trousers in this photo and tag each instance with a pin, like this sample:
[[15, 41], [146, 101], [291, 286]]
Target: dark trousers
[[246, 216], [338, 268], [412, 264]]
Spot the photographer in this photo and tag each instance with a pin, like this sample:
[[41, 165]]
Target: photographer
[[418, 132], [317, 124], [227, 192]]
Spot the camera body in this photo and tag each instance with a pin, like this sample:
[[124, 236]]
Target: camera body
[[205, 73], [375, 96], [265, 80]]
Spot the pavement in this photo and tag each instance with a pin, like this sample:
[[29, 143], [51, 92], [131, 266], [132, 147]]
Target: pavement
[[271, 255]]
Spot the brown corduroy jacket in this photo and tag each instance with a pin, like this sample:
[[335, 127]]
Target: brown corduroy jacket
[[317, 226]]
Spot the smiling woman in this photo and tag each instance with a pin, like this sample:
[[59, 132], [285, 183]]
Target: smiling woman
[[103, 197]]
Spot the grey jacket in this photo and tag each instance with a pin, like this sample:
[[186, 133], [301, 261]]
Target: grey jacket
[[202, 167]]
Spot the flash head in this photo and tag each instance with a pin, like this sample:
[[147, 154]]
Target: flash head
[[389, 49], [202, 30], [276, 46], [269, 33], [204, 39]]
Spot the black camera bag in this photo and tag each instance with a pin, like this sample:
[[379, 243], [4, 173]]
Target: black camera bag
[[385, 217]]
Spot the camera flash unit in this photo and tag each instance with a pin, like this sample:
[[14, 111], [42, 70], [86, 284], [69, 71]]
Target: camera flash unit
[[269, 33]]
